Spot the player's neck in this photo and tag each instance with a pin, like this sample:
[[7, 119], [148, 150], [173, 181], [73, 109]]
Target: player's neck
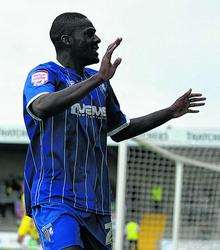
[[67, 61]]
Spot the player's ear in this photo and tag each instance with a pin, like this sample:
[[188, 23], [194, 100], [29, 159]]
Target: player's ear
[[67, 40]]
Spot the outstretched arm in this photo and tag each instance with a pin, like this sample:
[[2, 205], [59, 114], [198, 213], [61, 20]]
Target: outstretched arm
[[179, 108], [49, 104]]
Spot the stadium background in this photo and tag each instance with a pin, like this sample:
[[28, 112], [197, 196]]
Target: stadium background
[[168, 47]]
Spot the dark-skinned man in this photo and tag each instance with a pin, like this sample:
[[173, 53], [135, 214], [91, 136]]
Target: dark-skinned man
[[69, 110]]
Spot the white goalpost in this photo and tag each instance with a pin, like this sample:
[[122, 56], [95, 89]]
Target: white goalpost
[[120, 197], [171, 192]]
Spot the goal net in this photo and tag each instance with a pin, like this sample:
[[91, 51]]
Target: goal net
[[173, 194]]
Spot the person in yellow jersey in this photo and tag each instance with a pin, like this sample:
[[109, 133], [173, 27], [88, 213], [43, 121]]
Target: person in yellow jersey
[[27, 227], [157, 197], [132, 233]]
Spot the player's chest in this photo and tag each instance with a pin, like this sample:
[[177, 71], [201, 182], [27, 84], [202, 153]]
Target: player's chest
[[92, 105]]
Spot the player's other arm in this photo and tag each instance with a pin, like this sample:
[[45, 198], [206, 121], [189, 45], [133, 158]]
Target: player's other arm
[[52, 103], [179, 108]]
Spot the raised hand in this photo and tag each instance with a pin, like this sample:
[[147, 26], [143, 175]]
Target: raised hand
[[187, 101], [107, 69]]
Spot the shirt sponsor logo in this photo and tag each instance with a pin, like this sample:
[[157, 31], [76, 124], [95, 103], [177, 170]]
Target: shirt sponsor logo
[[88, 110], [39, 78]]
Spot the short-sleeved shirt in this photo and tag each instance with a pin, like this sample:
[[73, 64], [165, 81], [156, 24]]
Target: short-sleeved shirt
[[67, 156]]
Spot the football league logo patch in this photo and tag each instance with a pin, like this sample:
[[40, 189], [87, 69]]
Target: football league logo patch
[[39, 78]]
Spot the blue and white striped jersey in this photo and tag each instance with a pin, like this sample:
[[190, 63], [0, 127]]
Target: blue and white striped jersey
[[67, 156]]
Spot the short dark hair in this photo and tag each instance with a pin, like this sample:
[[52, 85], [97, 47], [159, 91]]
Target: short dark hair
[[63, 25]]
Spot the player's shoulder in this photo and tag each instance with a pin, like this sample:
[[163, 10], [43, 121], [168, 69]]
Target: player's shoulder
[[49, 67], [42, 73]]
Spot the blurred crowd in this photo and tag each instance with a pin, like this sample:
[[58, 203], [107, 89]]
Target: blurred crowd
[[10, 197], [12, 210]]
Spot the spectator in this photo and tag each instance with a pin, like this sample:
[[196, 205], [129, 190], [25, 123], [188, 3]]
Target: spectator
[[132, 233], [157, 197]]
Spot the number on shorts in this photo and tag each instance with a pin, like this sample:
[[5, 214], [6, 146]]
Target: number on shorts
[[108, 240]]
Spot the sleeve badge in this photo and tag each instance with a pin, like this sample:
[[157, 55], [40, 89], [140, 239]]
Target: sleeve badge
[[39, 78]]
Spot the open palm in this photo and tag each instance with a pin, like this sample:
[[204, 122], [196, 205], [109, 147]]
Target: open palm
[[187, 101], [107, 69]]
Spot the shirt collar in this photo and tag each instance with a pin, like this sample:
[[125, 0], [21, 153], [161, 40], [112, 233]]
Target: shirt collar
[[71, 70]]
